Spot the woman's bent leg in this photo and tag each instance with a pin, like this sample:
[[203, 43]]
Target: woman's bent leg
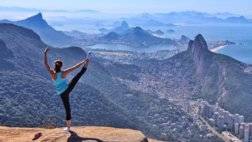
[[75, 79]]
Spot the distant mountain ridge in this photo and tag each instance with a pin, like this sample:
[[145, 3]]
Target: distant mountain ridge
[[47, 33], [147, 20], [135, 37], [193, 17], [122, 35]]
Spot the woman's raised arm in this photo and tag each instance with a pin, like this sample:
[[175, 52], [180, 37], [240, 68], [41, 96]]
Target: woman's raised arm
[[46, 63], [68, 70]]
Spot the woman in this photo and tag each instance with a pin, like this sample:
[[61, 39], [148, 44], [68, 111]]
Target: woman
[[63, 88]]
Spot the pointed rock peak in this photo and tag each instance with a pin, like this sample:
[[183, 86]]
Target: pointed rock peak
[[36, 20], [198, 45], [36, 17], [39, 15], [199, 39]]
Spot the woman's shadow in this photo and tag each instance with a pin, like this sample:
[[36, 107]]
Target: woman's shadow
[[75, 138]]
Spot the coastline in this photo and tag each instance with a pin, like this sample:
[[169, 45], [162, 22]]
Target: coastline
[[216, 49]]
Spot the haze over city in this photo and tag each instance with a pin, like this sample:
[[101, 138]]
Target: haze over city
[[242, 7]]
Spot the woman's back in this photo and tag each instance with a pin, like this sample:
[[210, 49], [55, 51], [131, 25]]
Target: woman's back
[[60, 83]]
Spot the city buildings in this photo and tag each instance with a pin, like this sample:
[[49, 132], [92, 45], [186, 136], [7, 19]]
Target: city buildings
[[225, 121]]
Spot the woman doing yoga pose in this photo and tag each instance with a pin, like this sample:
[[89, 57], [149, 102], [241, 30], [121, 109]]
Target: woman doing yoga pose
[[63, 88]]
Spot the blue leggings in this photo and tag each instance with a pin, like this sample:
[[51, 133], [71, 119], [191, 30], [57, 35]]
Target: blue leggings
[[65, 95]]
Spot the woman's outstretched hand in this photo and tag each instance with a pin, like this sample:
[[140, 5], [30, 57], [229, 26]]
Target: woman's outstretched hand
[[46, 50]]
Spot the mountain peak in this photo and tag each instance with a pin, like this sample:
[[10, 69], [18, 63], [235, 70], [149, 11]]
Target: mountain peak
[[45, 31], [198, 45], [199, 37], [36, 17], [199, 52], [200, 40], [35, 20]]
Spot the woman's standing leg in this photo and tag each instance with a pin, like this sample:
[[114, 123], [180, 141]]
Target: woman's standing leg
[[66, 103], [65, 95]]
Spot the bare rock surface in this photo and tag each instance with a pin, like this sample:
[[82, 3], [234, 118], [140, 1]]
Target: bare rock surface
[[77, 134]]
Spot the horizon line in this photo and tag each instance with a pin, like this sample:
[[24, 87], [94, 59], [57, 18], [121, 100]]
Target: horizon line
[[38, 10]]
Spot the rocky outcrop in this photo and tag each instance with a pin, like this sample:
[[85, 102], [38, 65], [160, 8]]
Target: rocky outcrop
[[200, 54], [198, 46], [77, 134]]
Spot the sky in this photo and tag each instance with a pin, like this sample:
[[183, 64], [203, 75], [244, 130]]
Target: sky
[[242, 7]]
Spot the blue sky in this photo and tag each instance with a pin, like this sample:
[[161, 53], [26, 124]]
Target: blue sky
[[137, 6]]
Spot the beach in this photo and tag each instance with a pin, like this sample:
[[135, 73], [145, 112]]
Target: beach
[[216, 49]]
